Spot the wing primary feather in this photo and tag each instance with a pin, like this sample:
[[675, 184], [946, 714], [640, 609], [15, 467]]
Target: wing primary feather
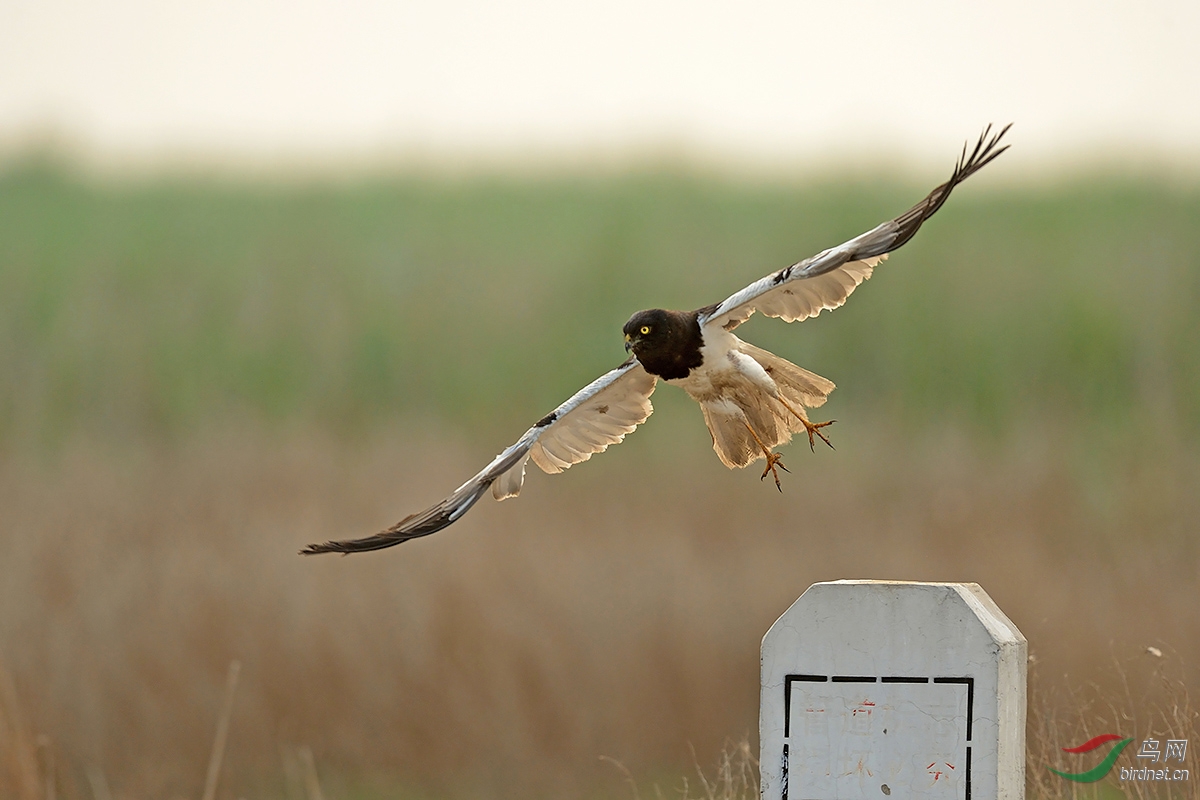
[[984, 152]]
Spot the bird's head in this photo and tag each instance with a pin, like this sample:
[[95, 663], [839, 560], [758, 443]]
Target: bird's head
[[647, 331]]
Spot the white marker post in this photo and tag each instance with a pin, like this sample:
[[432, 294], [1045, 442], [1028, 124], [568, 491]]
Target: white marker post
[[873, 689]]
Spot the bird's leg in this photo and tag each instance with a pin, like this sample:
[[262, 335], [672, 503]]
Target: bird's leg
[[773, 459], [810, 427]]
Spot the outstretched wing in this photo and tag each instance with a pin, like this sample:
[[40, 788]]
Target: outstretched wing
[[824, 281], [598, 415]]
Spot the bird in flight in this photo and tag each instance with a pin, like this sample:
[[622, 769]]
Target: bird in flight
[[752, 400]]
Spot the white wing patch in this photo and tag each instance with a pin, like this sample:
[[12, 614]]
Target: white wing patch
[[509, 483], [801, 299], [797, 297], [599, 415]]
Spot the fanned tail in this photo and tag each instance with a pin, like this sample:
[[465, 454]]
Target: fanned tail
[[798, 385]]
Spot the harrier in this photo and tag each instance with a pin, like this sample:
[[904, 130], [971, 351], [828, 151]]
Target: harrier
[[752, 400]]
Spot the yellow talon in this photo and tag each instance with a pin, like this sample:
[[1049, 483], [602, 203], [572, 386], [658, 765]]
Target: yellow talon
[[816, 429], [773, 459]]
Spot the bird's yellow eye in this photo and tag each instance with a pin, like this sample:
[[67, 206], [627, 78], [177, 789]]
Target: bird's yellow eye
[[645, 329]]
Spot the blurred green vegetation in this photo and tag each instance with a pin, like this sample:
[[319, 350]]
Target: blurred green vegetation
[[158, 307]]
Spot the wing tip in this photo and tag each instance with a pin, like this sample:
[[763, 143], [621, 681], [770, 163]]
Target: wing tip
[[325, 547], [397, 534], [984, 153], [380, 541]]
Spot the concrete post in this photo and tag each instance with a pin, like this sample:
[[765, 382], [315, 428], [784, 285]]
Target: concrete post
[[879, 688]]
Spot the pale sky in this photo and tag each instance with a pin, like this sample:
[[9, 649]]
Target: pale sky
[[460, 81]]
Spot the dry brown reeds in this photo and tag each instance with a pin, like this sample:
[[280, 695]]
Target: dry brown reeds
[[20, 775], [615, 610]]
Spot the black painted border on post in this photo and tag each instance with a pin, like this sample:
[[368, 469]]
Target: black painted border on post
[[788, 680]]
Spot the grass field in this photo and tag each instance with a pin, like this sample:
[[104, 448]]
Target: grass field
[[200, 377], [154, 308]]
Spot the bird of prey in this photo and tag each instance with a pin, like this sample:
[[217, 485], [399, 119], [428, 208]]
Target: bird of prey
[[752, 400]]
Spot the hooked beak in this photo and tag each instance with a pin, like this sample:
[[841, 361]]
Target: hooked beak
[[628, 343]]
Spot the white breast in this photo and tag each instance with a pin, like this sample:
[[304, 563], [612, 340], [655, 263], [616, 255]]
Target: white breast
[[725, 369]]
